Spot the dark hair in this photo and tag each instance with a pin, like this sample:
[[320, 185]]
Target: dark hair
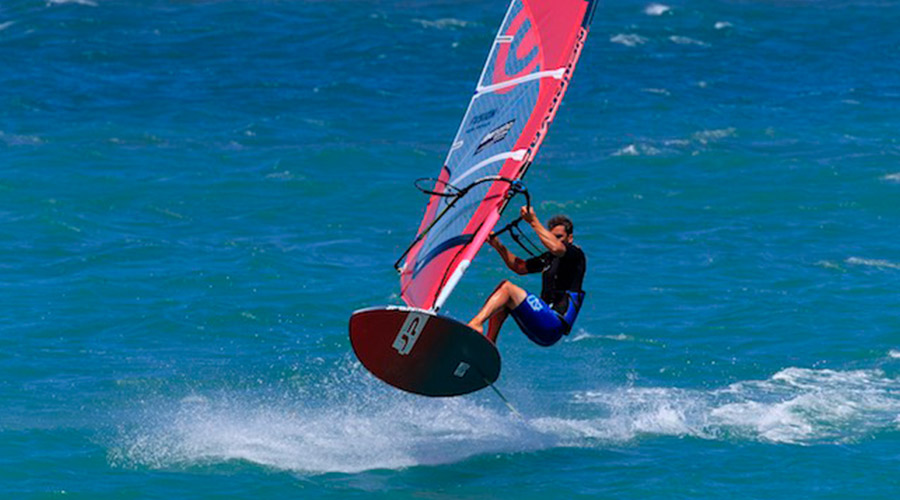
[[561, 220]]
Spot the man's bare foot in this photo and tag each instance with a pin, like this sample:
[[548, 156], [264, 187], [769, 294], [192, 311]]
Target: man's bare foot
[[478, 328]]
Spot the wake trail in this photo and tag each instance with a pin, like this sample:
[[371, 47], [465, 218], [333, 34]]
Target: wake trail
[[377, 427]]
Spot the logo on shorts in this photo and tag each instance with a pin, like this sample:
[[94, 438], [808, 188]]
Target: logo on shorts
[[535, 303]]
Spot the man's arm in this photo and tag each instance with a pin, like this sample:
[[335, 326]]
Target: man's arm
[[511, 260], [555, 246]]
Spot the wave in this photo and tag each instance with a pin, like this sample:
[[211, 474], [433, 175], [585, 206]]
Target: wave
[[637, 150], [629, 40], [683, 40], [441, 24], [393, 432], [707, 136], [795, 406], [827, 264], [19, 140], [877, 263], [892, 177], [675, 146], [6, 24], [369, 429], [656, 9], [88, 3], [656, 91]]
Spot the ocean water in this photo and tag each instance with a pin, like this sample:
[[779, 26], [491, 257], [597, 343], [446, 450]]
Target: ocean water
[[195, 195]]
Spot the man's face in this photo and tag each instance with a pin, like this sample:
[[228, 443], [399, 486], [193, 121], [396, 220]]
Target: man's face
[[560, 233]]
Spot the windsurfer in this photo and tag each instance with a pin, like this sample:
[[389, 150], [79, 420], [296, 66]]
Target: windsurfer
[[547, 318]]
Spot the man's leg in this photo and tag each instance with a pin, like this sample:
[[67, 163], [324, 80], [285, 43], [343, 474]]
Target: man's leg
[[495, 323], [505, 298]]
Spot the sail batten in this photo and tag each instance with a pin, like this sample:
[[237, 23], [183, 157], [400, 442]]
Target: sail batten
[[553, 73], [517, 95]]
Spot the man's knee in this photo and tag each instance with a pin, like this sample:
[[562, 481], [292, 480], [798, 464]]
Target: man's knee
[[501, 287], [514, 293]]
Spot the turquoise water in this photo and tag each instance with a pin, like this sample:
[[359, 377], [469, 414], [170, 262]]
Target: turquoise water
[[195, 196]]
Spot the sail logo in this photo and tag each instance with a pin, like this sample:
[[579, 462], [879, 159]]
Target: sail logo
[[482, 118], [494, 136], [409, 333], [480, 121], [520, 56]]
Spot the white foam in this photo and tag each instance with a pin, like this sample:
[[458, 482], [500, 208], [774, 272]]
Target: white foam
[[892, 177], [637, 150], [445, 23], [284, 175], [707, 136], [635, 411], [771, 422], [629, 150], [878, 263], [628, 40], [19, 140], [7, 24], [89, 3], [358, 428], [392, 432], [803, 406], [721, 25], [827, 264], [683, 40], [894, 353], [796, 405], [656, 9]]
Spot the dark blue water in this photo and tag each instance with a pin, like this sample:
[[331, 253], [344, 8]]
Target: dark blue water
[[194, 196]]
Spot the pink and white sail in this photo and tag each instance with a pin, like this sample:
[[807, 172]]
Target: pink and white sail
[[523, 82]]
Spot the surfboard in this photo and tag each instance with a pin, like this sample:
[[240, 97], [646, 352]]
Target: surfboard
[[421, 352]]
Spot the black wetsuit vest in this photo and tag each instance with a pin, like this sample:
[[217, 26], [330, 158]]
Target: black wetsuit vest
[[560, 275]]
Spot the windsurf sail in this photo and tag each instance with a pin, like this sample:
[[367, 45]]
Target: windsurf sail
[[522, 84]]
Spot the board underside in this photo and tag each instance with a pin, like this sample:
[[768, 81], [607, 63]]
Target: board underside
[[421, 352]]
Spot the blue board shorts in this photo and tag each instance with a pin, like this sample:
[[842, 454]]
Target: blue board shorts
[[540, 322]]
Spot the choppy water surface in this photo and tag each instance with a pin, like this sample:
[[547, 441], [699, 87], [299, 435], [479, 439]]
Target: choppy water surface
[[195, 195]]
